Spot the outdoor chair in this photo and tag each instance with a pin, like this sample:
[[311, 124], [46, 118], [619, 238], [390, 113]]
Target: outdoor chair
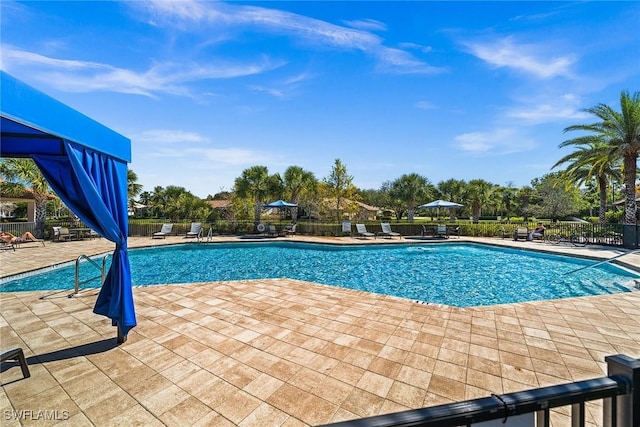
[[166, 229], [386, 230], [272, 231], [195, 231], [442, 231], [7, 245], [346, 227], [62, 233], [18, 355], [289, 230], [362, 231], [521, 233]]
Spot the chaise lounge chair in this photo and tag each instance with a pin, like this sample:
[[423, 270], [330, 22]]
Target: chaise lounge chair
[[386, 230], [166, 229], [362, 231], [196, 230], [17, 355], [7, 245]]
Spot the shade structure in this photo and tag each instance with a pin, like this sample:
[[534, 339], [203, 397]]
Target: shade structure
[[441, 204], [280, 204], [85, 163]]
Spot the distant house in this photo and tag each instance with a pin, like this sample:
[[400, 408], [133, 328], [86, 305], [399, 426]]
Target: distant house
[[352, 210], [623, 201], [223, 207]]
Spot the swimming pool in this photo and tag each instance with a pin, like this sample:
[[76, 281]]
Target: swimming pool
[[458, 274]]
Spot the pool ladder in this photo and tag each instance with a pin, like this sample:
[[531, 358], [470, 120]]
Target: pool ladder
[[102, 267]]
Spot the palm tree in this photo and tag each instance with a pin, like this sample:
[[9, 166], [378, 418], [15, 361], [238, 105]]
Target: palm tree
[[592, 160], [452, 190], [254, 182], [478, 195], [621, 132], [25, 172], [410, 189], [133, 187], [297, 183]]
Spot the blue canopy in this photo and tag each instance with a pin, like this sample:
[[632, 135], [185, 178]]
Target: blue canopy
[[441, 204], [86, 165], [280, 204]]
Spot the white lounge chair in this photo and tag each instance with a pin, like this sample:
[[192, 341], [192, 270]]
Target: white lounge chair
[[386, 230], [196, 230], [362, 231], [166, 229]]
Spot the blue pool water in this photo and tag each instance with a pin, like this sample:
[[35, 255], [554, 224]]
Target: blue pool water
[[455, 274]]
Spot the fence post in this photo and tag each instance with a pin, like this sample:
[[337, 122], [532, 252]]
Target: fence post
[[627, 407], [630, 236]]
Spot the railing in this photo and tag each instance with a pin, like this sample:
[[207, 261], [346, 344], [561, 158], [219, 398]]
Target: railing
[[102, 267], [608, 234], [620, 392]]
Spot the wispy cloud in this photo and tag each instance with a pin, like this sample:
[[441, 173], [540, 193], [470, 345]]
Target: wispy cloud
[[86, 76], [562, 108], [278, 93], [168, 136], [498, 141], [528, 58], [197, 16], [180, 144], [367, 25], [425, 105]]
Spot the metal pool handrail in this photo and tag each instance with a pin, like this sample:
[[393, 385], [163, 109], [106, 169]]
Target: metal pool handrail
[[102, 269]]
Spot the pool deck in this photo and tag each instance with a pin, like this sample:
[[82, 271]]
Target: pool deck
[[285, 352]]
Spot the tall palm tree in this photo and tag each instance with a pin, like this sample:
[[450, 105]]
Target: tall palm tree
[[25, 172], [410, 189], [621, 132], [593, 159], [255, 183]]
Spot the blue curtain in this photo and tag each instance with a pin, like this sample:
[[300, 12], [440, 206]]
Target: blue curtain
[[94, 186]]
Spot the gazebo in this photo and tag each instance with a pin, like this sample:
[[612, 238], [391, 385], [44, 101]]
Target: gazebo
[[85, 164]]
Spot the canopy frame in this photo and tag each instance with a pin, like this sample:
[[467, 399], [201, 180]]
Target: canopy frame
[[85, 163]]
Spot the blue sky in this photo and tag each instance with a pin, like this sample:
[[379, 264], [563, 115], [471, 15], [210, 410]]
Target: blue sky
[[207, 89]]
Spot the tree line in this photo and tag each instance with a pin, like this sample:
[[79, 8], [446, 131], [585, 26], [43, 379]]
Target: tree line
[[602, 167]]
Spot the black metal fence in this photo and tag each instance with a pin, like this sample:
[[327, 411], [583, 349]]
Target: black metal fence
[[620, 392], [608, 234]]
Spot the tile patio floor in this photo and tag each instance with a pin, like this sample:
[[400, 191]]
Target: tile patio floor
[[283, 352]]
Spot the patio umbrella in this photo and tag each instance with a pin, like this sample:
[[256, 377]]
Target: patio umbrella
[[280, 204], [441, 204]]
